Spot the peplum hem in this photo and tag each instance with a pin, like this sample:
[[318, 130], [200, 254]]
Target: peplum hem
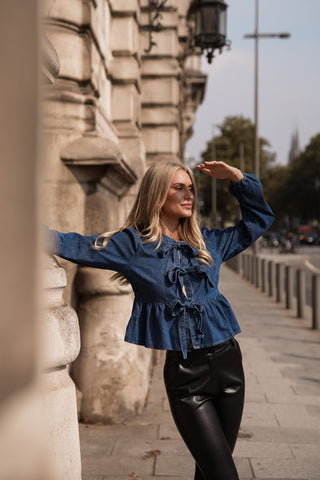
[[165, 326]]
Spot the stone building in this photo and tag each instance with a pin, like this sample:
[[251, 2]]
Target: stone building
[[113, 110]]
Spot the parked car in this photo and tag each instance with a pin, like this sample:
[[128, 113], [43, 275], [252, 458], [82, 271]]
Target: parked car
[[308, 236]]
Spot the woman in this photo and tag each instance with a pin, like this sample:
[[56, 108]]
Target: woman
[[173, 267]]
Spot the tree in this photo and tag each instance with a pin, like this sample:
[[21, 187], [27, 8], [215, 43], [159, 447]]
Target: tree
[[302, 183], [275, 191], [293, 191], [234, 131]]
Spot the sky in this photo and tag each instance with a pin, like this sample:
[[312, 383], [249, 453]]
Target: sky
[[289, 75]]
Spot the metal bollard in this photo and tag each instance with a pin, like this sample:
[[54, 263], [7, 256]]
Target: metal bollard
[[252, 278], [263, 275], [248, 267], [270, 277], [289, 286], [257, 271], [237, 264], [301, 293], [316, 302], [279, 282], [243, 259]]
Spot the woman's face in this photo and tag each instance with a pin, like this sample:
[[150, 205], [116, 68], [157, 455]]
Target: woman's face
[[180, 197]]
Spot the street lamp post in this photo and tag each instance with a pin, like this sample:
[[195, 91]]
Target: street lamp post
[[213, 180], [256, 35]]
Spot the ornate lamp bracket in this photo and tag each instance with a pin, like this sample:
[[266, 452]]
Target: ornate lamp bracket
[[154, 25]]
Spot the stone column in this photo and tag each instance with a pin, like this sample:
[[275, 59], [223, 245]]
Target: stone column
[[193, 88], [172, 83], [161, 83], [113, 375], [61, 346], [125, 72]]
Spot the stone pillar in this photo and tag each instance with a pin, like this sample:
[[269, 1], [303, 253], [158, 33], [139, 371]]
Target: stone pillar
[[113, 375], [161, 83], [172, 83], [193, 87], [125, 73], [61, 346], [193, 80]]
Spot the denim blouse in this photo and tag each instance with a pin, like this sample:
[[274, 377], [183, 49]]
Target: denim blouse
[[165, 315]]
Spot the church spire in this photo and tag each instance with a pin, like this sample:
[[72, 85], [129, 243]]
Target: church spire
[[295, 147]]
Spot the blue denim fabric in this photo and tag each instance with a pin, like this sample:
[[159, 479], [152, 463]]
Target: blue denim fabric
[[162, 316]]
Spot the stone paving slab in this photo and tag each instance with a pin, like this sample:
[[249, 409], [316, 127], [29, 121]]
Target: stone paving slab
[[302, 452], [280, 431], [283, 468], [252, 449], [261, 414], [302, 418], [184, 467], [127, 447], [112, 466], [101, 432], [177, 466], [290, 435]]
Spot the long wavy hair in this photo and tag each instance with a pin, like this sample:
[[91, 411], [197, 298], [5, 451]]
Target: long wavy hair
[[145, 215]]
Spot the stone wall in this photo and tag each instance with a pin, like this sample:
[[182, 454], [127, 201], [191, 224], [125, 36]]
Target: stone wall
[[114, 109]]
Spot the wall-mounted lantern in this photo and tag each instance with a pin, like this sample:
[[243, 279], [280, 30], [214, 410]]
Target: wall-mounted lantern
[[210, 32]]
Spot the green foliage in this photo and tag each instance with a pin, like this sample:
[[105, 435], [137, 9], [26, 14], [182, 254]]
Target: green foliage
[[301, 184], [276, 195], [234, 131], [293, 191]]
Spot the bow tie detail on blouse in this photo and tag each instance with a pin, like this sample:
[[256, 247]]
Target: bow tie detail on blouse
[[176, 273], [186, 312], [188, 249], [175, 270]]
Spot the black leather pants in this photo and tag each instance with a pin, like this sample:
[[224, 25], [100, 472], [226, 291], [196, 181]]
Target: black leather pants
[[206, 395]]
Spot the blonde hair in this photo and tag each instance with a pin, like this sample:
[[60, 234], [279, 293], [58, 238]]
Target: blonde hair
[[145, 216]]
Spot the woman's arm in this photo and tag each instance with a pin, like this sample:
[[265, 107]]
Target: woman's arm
[[121, 247], [256, 213], [221, 170]]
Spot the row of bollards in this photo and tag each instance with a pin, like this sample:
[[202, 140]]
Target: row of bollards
[[281, 281]]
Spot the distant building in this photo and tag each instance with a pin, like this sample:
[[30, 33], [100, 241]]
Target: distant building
[[295, 147]]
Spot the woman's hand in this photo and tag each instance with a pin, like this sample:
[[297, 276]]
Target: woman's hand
[[221, 170]]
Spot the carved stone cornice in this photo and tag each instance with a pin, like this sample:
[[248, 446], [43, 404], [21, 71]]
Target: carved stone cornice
[[98, 159]]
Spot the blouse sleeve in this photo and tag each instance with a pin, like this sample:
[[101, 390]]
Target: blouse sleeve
[[117, 254], [257, 217]]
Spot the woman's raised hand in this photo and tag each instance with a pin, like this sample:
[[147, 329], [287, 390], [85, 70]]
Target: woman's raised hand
[[221, 170]]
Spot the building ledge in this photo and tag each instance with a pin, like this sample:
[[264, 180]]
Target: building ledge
[[94, 158]]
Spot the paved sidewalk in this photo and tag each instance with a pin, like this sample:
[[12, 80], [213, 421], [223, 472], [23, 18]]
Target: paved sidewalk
[[280, 431]]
